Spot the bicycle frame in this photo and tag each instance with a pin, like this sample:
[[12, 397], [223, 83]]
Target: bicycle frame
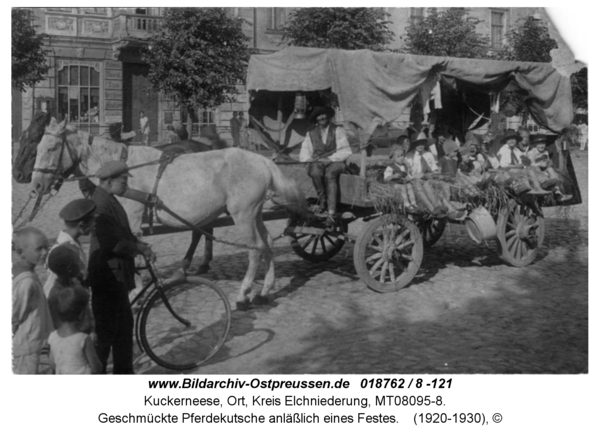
[[157, 281]]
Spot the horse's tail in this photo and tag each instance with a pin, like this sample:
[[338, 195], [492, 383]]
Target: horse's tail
[[291, 194]]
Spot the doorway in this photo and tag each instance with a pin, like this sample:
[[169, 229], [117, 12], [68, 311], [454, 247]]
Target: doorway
[[138, 95]]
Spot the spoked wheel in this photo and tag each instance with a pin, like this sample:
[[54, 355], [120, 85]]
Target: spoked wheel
[[388, 253], [431, 229], [314, 241], [186, 325], [520, 234]]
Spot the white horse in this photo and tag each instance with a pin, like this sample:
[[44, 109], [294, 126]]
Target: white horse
[[197, 187]]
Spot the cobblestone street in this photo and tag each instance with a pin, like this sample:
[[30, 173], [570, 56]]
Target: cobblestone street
[[465, 312]]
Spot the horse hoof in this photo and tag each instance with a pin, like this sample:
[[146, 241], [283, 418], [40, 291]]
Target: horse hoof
[[260, 300], [185, 264], [242, 305], [203, 269]]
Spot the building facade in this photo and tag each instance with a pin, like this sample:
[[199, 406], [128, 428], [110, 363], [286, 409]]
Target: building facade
[[97, 76]]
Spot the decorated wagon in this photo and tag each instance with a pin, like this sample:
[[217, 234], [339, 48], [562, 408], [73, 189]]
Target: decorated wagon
[[374, 89]]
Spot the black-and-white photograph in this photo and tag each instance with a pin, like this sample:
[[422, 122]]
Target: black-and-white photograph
[[272, 190]]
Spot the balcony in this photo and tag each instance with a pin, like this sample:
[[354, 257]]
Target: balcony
[[127, 26]]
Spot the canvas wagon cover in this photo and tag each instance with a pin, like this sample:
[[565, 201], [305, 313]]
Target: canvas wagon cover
[[375, 88]]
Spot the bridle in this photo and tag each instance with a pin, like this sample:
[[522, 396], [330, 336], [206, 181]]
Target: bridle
[[58, 175]]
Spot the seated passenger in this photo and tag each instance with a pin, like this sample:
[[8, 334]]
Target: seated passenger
[[422, 165], [515, 160], [397, 174], [542, 164], [326, 147]]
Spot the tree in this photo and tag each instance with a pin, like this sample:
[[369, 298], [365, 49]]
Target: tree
[[449, 33], [28, 55], [198, 56], [530, 41], [343, 28]]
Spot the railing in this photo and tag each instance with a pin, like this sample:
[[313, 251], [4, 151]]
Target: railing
[[136, 26]]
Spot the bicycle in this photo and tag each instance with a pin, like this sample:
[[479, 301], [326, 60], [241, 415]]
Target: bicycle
[[182, 322]]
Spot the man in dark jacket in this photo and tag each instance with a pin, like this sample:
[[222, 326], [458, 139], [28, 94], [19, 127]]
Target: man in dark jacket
[[111, 269]]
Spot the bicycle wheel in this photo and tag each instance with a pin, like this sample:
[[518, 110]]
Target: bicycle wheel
[[168, 340]]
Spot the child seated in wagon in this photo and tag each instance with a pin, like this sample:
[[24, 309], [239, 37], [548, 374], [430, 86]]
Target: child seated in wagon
[[542, 166], [423, 169], [397, 174]]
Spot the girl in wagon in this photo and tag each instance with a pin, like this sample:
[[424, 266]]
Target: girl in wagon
[[397, 174]]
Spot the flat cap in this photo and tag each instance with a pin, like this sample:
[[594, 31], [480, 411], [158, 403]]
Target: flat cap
[[77, 209], [112, 169]]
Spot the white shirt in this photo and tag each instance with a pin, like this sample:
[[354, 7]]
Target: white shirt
[[63, 238], [389, 171], [343, 150], [504, 156], [413, 159], [144, 125], [534, 155]]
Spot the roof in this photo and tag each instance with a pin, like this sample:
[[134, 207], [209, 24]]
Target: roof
[[375, 88]]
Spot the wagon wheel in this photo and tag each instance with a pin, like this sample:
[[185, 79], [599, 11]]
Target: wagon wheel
[[431, 229], [388, 253], [317, 247], [520, 234]]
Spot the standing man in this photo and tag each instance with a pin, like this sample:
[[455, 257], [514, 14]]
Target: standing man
[[326, 147], [244, 139], [144, 128], [111, 269], [234, 125]]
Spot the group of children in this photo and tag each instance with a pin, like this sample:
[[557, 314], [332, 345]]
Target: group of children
[[59, 313], [427, 169]]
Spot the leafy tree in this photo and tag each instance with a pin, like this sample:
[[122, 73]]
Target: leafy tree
[[530, 41], [28, 55], [198, 56], [343, 28], [448, 33]]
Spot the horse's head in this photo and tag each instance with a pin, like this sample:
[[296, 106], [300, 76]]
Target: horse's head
[[56, 156], [23, 164]]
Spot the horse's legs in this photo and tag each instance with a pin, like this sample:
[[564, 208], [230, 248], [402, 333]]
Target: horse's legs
[[187, 260], [267, 256], [208, 253], [254, 239]]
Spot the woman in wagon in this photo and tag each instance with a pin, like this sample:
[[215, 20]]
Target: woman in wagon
[[326, 148]]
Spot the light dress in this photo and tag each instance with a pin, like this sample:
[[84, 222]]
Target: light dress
[[69, 354]]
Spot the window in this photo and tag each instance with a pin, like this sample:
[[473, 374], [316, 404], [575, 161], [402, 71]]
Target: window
[[416, 15], [497, 29], [141, 11], [79, 96], [207, 117], [276, 18]]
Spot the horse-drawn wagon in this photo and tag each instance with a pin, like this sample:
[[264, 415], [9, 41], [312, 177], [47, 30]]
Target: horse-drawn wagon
[[371, 89], [375, 88]]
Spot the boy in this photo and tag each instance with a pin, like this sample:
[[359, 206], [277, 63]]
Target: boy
[[397, 174], [422, 165], [31, 323], [78, 218]]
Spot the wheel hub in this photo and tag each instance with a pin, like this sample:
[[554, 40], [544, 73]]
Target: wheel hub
[[527, 232]]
